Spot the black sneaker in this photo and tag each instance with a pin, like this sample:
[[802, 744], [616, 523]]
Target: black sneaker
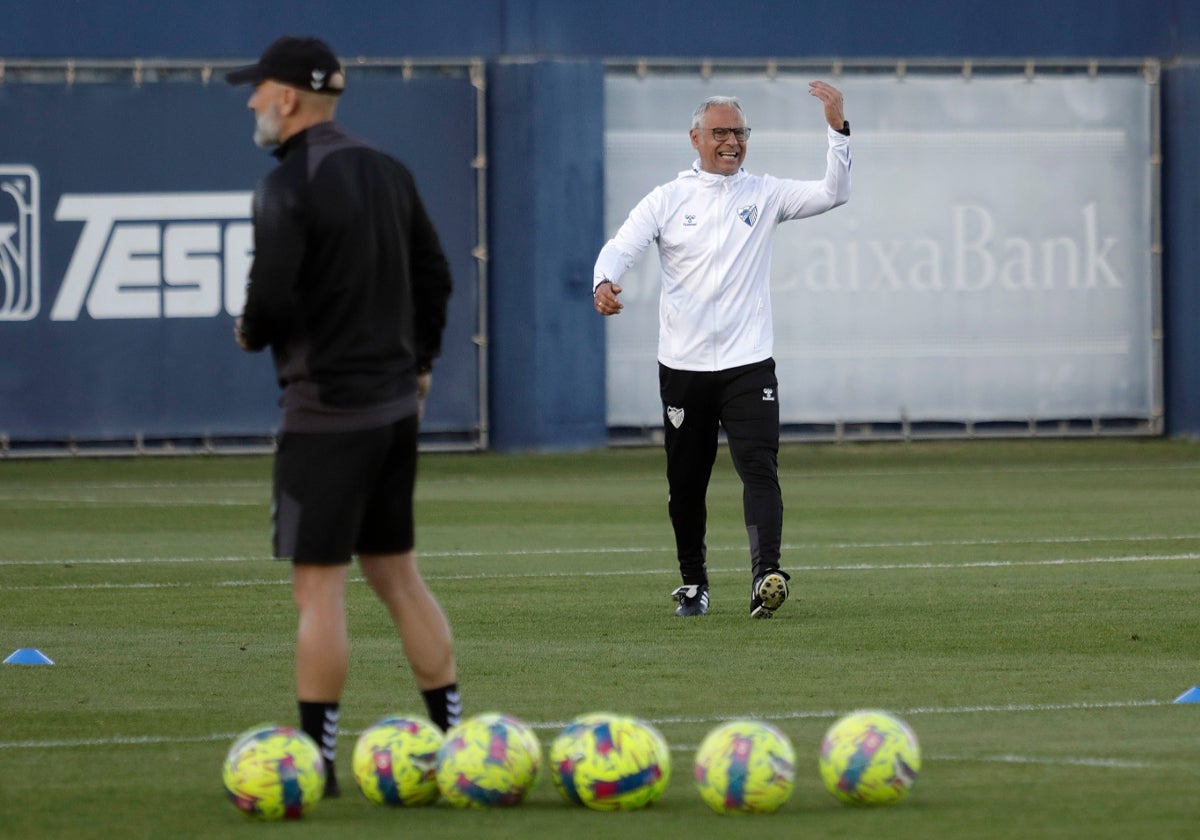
[[768, 593], [332, 789], [693, 600]]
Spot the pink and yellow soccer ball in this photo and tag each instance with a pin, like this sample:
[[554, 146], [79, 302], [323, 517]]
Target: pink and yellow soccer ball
[[870, 758], [745, 767], [610, 762], [395, 761], [274, 773], [488, 761]]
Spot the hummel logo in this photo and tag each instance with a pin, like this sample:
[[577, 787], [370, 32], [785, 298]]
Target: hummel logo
[[454, 707], [675, 415], [689, 220], [748, 214], [318, 79], [768, 395]]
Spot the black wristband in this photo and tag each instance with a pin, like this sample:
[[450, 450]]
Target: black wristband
[[598, 285], [845, 129]]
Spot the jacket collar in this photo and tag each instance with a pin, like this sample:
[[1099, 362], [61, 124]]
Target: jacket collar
[[300, 138], [711, 179]]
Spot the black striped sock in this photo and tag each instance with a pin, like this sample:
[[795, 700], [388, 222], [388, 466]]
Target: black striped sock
[[320, 722], [444, 705]]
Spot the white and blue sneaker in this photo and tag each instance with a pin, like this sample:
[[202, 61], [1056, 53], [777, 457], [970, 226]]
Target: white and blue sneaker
[[693, 600]]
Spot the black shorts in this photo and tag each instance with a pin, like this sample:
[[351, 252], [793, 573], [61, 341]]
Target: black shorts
[[743, 400], [338, 494]]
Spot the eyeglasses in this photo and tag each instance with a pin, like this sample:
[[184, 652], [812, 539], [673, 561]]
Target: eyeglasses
[[722, 134]]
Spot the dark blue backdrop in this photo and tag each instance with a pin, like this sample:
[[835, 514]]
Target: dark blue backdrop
[[609, 28], [95, 378], [544, 70]]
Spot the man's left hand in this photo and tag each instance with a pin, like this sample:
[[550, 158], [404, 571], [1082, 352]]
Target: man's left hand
[[832, 97], [424, 382], [239, 335]]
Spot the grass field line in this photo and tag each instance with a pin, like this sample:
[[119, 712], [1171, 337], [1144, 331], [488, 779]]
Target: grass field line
[[1115, 763], [126, 561], [66, 492], [553, 552], [471, 478], [846, 567], [26, 500], [705, 720], [190, 486], [831, 714], [909, 472]]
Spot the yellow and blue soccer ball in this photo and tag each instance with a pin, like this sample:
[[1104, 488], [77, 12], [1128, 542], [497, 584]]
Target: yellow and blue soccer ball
[[395, 761], [745, 767], [489, 760], [274, 773], [610, 762], [870, 758]]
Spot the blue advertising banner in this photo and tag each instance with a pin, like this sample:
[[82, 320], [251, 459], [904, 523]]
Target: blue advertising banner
[[125, 242]]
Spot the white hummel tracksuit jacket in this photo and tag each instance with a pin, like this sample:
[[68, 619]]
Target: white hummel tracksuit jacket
[[714, 243]]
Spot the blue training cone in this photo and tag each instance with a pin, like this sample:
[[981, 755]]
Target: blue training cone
[[28, 656], [1192, 695]]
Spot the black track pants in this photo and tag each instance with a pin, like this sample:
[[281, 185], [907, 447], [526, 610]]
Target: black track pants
[[745, 402]]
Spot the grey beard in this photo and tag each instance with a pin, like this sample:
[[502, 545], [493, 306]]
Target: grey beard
[[266, 129]]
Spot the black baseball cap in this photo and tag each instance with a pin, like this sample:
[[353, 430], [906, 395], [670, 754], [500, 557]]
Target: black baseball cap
[[304, 63]]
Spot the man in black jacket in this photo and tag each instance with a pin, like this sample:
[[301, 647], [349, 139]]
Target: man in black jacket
[[348, 288]]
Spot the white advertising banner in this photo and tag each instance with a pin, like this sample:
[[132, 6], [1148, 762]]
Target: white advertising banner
[[994, 262]]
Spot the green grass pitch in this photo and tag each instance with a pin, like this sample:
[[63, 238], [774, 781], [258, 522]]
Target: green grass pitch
[[1029, 607]]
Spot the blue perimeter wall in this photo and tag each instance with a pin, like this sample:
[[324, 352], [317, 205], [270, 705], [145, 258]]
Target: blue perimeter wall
[[546, 122]]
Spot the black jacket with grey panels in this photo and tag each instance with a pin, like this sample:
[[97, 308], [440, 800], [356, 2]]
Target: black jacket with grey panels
[[349, 283]]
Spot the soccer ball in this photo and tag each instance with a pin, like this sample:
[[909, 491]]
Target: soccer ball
[[745, 767], [610, 762], [870, 758], [274, 773], [395, 761], [488, 760]]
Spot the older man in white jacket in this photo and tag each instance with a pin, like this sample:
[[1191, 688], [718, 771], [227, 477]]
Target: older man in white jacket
[[714, 225]]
